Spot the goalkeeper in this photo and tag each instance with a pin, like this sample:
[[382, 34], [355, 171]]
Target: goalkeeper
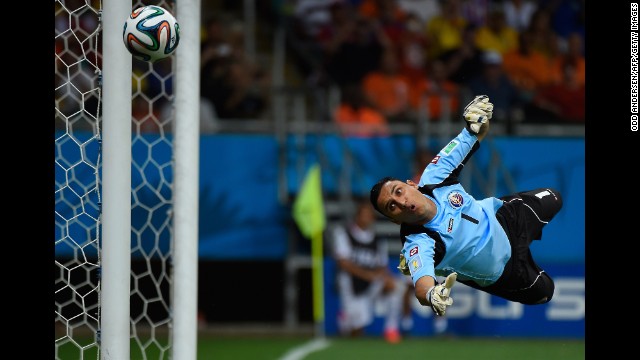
[[480, 243]]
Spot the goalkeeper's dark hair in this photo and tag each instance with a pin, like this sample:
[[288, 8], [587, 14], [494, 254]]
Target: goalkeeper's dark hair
[[375, 191]]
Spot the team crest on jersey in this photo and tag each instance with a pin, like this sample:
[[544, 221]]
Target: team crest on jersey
[[413, 251], [415, 263], [450, 146], [456, 199]]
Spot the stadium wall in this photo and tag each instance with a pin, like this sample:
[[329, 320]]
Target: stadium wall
[[244, 228], [475, 313], [241, 217]]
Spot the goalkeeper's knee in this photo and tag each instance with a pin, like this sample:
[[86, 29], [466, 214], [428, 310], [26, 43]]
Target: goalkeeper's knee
[[541, 292], [544, 300]]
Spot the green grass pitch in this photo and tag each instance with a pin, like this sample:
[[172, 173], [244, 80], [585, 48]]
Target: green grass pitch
[[372, 348]]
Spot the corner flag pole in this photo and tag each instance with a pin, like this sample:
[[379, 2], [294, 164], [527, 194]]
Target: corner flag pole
[[308, 213], [317, 272]]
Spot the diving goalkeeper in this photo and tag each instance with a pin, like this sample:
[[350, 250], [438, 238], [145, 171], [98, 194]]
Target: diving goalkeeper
[[480, 243]]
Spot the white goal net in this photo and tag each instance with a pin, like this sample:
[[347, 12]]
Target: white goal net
[[78, 190]]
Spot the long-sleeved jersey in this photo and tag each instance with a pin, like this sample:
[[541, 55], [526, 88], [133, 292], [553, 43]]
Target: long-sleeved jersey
[[464, 236]]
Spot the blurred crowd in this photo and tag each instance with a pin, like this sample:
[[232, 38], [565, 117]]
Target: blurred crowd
[[393, 59]]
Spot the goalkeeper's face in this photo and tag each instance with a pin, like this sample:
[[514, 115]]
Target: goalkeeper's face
[[403, 202]]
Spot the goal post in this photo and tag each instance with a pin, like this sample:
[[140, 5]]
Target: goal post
[[186, 180], [116, 185], [127, 187]]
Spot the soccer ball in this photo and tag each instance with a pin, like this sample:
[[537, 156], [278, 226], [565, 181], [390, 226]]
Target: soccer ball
[[151, 33]]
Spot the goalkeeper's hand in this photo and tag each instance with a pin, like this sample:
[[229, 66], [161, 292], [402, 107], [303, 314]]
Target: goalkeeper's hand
[[403, 266], [477, 112], [438, 296]]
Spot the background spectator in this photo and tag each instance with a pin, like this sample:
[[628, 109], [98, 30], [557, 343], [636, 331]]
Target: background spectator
[[412, 48], [503, 94], [476, 11], [561, 102], [307, 33], [464, 62], [329, 37], [387, 89], [518, 13], [215, 42], [574, 56], [542, 37], [423, 9], [440, 95], [444, 31], [364, 277], [313, 15], [356, 51], [527, 68], [236, 86], [356, 117], [496, 34], [567, 16]]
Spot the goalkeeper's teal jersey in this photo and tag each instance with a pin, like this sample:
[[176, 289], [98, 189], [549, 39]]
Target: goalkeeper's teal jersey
[[464, 236]]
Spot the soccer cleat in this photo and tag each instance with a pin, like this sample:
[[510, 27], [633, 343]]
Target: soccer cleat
[[392, 336]]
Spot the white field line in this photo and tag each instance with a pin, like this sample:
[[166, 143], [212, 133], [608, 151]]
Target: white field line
[[303, 350]]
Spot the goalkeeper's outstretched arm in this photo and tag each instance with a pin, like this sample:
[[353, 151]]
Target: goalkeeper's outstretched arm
[[422, 286], [429, 293], [484, 130]]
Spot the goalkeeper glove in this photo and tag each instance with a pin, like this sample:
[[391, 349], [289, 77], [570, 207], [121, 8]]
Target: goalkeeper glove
[[477, 112], [438, 296], [403, 266]]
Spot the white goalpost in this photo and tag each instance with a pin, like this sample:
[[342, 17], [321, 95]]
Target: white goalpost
[[126, 185], [116, 184], [187, 154]]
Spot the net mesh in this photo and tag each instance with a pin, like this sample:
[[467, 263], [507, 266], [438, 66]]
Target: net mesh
[[77, 189]]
